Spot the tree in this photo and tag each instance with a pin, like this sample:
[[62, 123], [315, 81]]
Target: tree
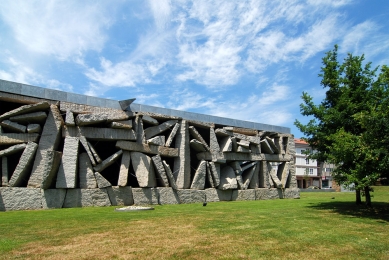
[[347, 125]]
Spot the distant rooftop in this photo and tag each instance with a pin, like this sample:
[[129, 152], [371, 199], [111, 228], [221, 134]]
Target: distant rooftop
[[51, 94]]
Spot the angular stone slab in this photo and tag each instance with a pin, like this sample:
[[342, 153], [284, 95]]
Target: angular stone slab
[[53, 198], [191, 196], [181, 170], [145, 196], [155, 130], [161, 176], [274, 176], [199, 177], [167, 196], [291, 182], [170, 176], [97, 118], [127, 124], [244, 144], [13, 127], [223, 132], [95, 155], [149, 149], [4, 171], [21, 173], [193, 131], [34, 128], [67, 173], [124, 169], [242, 149], [69, 119], [272, 145], [149, 120], [102, 134], [254, 183], [101, 181], [46, 159], [265, 147], [86, 198], [213, 143], [52, 130], [35, 117], [292, 193], [255, 148], [159, 116], [108, 162], [139, 131], [172, 135], [25, 110], [125, 104], [20, 198], [234, 144], [250, 139], [283, 173], [239, 130], [157, 140], [247, 176], [12, 138], [13, 149], [243, 195], [45, 175], [120, 196], [264, 178], [87, 109], [226, 144], [209, 176], [266, 194], [87, 177], [144, 170], [201, 124], [84, 143], [227, 178], [215, 172], [197, 146], [246, 157]]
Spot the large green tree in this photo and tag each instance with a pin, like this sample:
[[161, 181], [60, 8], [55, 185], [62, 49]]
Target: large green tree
[[350, 126]]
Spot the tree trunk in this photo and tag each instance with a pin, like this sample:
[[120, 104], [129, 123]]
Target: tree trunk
[[358, 200], [367, 196]]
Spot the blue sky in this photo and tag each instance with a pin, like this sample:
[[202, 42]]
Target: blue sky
[[249, 60]]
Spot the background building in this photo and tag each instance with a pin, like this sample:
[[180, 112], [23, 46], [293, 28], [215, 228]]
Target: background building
[[307, 170]]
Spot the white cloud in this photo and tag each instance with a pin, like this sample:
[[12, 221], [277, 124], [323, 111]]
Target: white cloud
[[123, 74], [161, 12], [59, 28]]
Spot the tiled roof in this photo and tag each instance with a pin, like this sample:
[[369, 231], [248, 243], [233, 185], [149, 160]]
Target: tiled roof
[[299, 141]]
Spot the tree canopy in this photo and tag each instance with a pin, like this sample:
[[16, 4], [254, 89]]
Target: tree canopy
[[350, 127]]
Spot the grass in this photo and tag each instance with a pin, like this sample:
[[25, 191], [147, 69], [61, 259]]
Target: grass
[[313, 227]]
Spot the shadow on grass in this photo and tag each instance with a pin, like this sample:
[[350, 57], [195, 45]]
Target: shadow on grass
[[379, 210]]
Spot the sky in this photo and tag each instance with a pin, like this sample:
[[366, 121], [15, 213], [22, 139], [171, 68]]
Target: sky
[[248, 60]]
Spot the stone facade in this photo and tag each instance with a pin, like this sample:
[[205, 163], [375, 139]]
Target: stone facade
[[58, 154]]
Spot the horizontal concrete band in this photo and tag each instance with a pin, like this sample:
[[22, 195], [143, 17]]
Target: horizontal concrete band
[[51, 94]]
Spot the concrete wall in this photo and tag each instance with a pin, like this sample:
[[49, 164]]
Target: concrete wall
[[61, 149]]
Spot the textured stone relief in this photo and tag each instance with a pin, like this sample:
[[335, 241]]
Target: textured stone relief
[[91, 156]]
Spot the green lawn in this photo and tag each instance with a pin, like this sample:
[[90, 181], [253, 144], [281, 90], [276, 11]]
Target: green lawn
[[317, 226]]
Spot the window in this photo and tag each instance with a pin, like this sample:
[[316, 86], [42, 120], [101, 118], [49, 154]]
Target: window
[[328, 169], [302, 151], [307, 161], [310, 171]]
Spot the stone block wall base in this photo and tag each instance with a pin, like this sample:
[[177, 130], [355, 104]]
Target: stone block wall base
[[20, 198]]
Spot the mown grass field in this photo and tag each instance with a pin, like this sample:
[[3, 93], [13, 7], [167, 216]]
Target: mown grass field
[[313, 227]]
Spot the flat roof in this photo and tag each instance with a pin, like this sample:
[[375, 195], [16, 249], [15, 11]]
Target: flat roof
[[51, 94]]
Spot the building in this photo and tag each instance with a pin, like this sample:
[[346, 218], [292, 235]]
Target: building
[[307, 170]]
